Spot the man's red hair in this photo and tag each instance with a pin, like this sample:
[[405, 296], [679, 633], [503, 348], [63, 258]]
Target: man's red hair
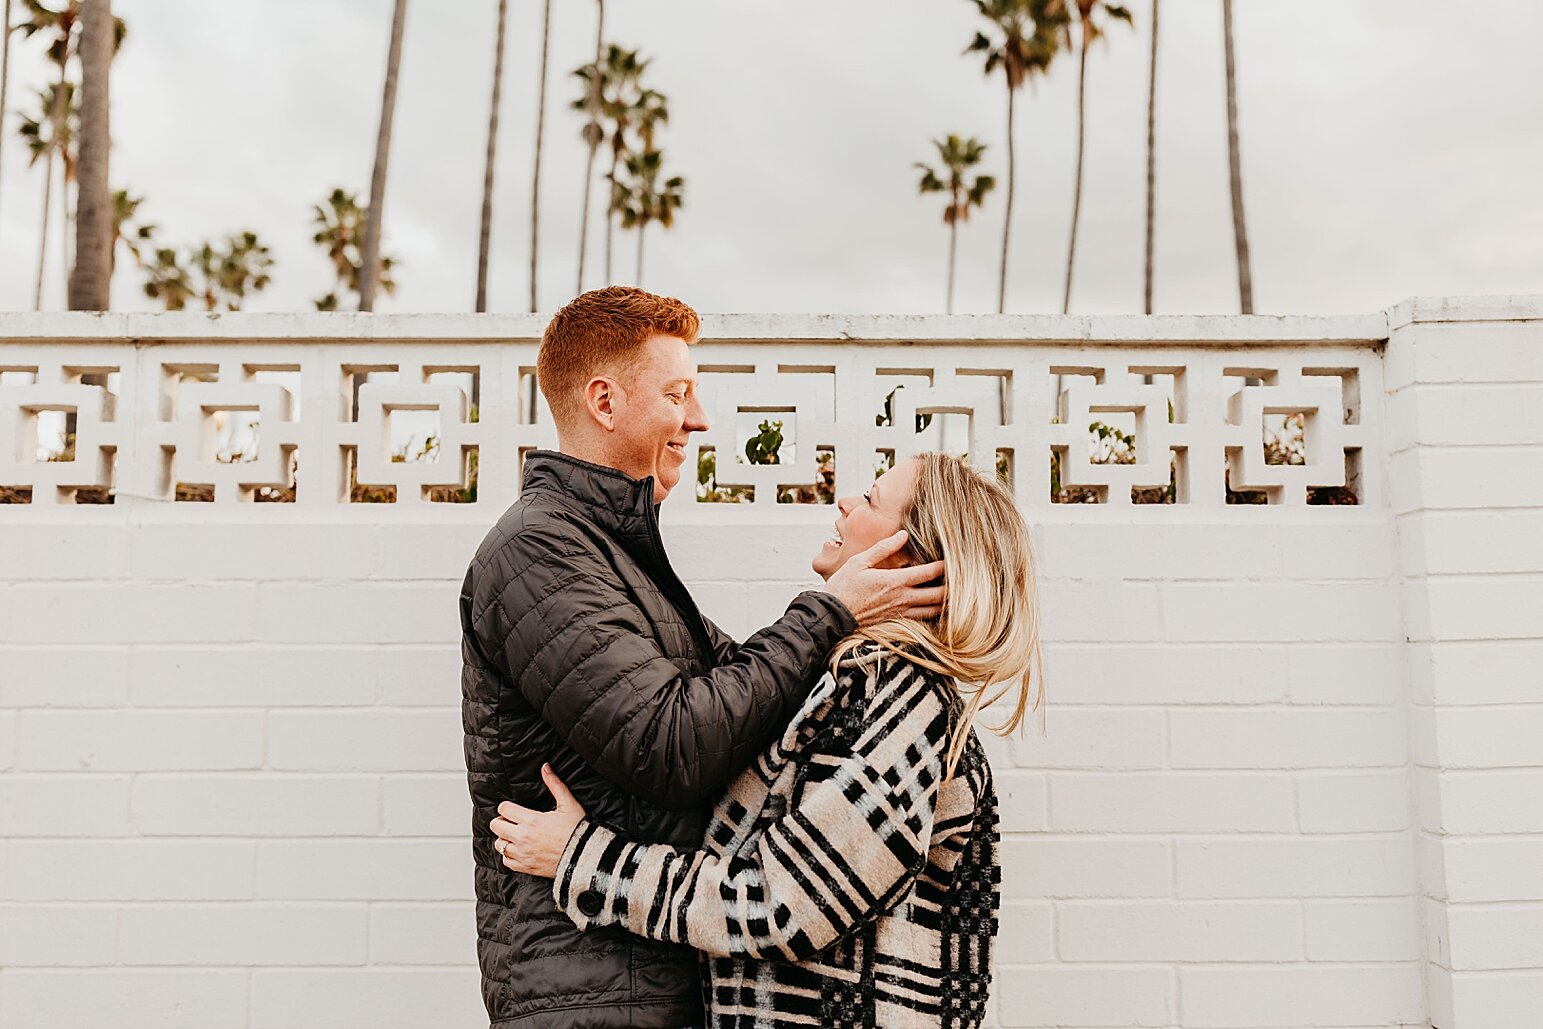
[[600, 332]]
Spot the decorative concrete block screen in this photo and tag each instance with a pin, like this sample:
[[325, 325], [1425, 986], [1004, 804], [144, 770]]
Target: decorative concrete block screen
[[1290, 583]]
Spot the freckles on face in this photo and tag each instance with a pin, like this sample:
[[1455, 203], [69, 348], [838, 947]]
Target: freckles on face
[[660, 413]]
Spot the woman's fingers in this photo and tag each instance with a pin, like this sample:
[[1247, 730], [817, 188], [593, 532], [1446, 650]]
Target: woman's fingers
[[530, 841], [515, 813], [517, 858], [508, 844], [560, 792]]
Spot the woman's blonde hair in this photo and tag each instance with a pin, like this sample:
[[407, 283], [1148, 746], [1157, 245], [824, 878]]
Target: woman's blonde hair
[[986, 638]]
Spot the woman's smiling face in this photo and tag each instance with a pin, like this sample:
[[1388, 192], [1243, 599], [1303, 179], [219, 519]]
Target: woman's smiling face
[[865, 520]]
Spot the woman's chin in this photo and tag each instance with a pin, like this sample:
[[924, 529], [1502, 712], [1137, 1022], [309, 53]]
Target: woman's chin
[[827, 560]]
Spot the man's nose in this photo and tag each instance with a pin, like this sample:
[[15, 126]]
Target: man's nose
[[844, 505], [696, 416]]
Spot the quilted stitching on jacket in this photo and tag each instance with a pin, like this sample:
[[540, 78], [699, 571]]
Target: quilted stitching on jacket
[[580, 647]]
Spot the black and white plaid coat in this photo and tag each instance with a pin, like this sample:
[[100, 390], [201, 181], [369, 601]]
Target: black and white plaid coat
[[842, 883]]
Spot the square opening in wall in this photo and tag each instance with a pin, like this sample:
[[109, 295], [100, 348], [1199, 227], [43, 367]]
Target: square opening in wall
[[707, 489], [1284, 437], [769, 435], [358, 494], [467, 380], [356, 375], [821, 491], [463, 494], [232, 435], [1350, 389], [1169, 494], [412, 434]]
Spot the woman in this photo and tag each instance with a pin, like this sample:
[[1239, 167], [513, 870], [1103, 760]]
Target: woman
[[849, 876]]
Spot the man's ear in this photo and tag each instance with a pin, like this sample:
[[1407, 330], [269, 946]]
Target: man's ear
[[600, 398]]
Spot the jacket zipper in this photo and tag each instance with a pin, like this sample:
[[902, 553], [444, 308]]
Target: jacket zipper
[[675, 590]]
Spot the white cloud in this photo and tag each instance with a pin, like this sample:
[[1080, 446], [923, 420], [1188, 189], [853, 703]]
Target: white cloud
[[1388, 150]]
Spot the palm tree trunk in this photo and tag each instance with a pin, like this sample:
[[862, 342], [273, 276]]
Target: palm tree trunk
[[594, 145], [48, 184], [953, 247], [1151, 159], [485, 237], [369, 250], [55, 120], [642, 228], [66, 231], [610, 212], [90, 281], [589, 188], [5, 66], [535, 185], [1082, 124], [1235, 164], [1007, 218]]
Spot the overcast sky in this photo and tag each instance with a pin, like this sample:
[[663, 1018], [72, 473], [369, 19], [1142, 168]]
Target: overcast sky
[[1390, 149]]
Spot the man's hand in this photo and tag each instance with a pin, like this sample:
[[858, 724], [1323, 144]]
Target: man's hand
[[876, 594]]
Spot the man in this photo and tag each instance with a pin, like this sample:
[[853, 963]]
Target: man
[[582, 649]]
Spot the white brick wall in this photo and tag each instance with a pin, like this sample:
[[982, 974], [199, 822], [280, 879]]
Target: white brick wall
[[231, 789], [1462, 390]]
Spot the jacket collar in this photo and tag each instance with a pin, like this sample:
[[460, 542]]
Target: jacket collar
[[623, 508], [616, 502]]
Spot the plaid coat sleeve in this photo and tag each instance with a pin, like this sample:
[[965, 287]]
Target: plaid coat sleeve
[[791, 884]]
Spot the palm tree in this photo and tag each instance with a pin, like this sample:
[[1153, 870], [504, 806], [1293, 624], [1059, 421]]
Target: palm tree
[[1092, 31], [651, 111], [5, 68], [60, 25], [227, 271], [91, 279], [339, 230], [486, 235], [1151, 158], [589, 103], [167, 280], [206, 262], [1024, 44], [369, 250], [125, 210], [231, 269], [535, 183], [52, 131], [60, 112], [958, 156], [620, 96], [1235, 165], [643, 198]]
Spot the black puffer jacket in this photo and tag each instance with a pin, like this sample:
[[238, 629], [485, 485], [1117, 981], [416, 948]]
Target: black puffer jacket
[[581, 648]]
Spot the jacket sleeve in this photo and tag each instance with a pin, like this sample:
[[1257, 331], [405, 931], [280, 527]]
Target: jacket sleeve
[[582, 654], [724, 645], [845, 853]]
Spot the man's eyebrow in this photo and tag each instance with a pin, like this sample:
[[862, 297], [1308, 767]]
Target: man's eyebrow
[[680, 382]]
